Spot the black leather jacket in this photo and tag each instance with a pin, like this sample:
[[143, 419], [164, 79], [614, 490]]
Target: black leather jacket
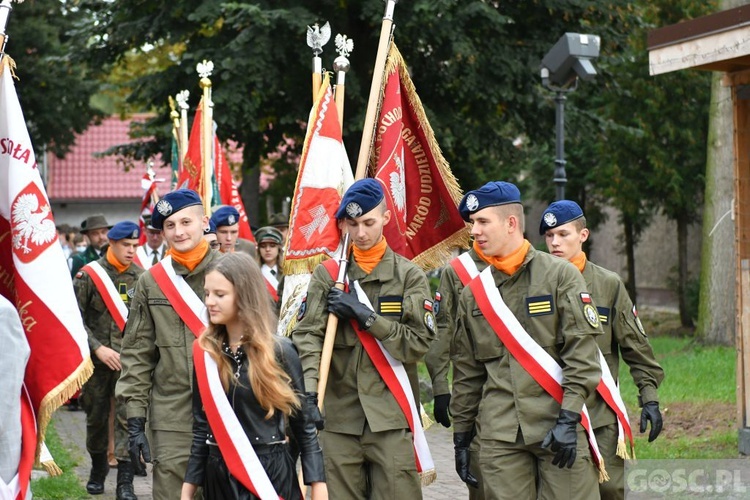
[[259, 430]]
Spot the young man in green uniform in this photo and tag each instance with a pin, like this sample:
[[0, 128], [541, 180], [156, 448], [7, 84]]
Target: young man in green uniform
[[563, 226], [438, 357], [95, 229], [367, 443], [103, 289], [157, 359], [227, 222], [525, 302]]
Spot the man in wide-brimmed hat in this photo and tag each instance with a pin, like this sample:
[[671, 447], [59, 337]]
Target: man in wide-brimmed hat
[[95, 229]]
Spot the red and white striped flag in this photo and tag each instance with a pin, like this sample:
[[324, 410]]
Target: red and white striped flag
[[324, 175], [34, 275]]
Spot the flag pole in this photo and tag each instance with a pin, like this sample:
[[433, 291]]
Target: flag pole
[[377, 83], [182, 134], [205, 69], [5, 8], [316, 38], [344, 46]]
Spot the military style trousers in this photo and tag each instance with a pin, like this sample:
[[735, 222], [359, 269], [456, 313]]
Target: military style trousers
[[476, 471], [170, 451], [373, 466], [614, 489], [517, 471], [95, 399]]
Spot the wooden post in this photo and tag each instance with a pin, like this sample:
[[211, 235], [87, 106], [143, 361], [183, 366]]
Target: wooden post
[[377, 83]]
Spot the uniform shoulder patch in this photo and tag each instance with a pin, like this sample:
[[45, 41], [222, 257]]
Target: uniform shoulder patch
[[428, 305], [604, 313], [436, 303], [302, 308], [592, 316], [79, 274], [429, 321], [539, 306]]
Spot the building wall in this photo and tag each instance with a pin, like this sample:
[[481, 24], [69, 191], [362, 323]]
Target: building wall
[[74, 213]]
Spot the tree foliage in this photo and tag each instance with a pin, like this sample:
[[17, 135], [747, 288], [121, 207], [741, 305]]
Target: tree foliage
[[54, 90]]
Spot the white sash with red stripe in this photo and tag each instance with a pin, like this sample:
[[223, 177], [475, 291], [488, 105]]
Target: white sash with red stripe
[[394, 375], [188, 306], [236, 449], [536, 361], [112, 299], [18, 487], [141, 258], [466, 269]]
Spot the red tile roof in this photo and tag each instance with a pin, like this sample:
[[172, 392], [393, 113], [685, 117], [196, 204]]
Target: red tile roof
[[81, 176]]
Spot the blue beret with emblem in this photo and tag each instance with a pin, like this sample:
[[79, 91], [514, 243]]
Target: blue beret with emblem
[[211, 229], [171, 203], [360, 198], [492, 194], [124, 230], [226, 216], [559, 213]]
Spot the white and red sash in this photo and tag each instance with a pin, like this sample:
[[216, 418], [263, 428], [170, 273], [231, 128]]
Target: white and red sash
[[271, 290], [394, 375], [18, 487], [112, 299], [141, 258], [531, 356], [272, 284], [188, 306], [236, 449], [466, 269]]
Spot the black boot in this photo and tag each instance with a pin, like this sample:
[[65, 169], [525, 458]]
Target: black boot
[[125, 481], [99, 471]]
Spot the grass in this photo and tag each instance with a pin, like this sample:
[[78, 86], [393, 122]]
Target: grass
[[66, 486]]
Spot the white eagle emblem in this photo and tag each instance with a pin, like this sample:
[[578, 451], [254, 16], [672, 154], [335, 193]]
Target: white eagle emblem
[[30, 222], [353, 210], [164, 207], [317, 36], [472, 203], [398, 184], [550, 219]]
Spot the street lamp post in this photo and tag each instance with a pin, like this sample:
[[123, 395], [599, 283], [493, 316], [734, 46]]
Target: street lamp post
[[569, 59]]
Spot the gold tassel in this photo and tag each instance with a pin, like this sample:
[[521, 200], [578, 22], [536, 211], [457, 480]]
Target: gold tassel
[[603, 476], [52, 468], [57, 397], [622, 449], [426, 420], [428, 477]]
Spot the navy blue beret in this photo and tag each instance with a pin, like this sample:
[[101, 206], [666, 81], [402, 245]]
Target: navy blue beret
[[360, 198], [492, 194], [226, 216], [211, 229], [123, 230], [171, 203], [559, 213]]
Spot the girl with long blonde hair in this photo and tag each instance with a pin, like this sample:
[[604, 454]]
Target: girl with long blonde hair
[[262, 377]]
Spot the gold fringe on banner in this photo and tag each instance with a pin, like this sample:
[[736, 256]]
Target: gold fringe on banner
[[55, 399], [438, 255]]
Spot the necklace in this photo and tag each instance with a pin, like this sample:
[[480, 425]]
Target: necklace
[[237, 356]]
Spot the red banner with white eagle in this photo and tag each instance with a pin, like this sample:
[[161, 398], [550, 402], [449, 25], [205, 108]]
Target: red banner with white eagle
[[420, 189], [34, 274]]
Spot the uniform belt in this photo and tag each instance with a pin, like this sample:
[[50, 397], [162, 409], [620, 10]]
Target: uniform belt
[[260, 449]]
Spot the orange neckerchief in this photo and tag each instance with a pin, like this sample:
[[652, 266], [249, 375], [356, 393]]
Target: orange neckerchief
[[119, 266], [508, 264], [579, 261], [368, 259], [191, 258]]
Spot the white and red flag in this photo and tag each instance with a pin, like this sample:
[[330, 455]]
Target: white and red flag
[[34, 274], [420, 189], [324, 175]]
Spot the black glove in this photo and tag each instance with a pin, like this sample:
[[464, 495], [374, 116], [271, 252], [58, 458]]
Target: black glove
[[441, 410], [461, 442], [651, 413], [137, 443], [347, 306], [562, 437], [312, 410]]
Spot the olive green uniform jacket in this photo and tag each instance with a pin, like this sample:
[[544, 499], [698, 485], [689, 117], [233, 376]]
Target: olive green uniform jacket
[[399, 292], [545, 295], [438, 357], [78, 260], [157, 354], [97, 320], [623, 336]]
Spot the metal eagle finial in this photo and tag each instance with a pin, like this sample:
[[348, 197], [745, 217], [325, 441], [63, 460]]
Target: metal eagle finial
[[317, 37], [344, 45], [182, 99]]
